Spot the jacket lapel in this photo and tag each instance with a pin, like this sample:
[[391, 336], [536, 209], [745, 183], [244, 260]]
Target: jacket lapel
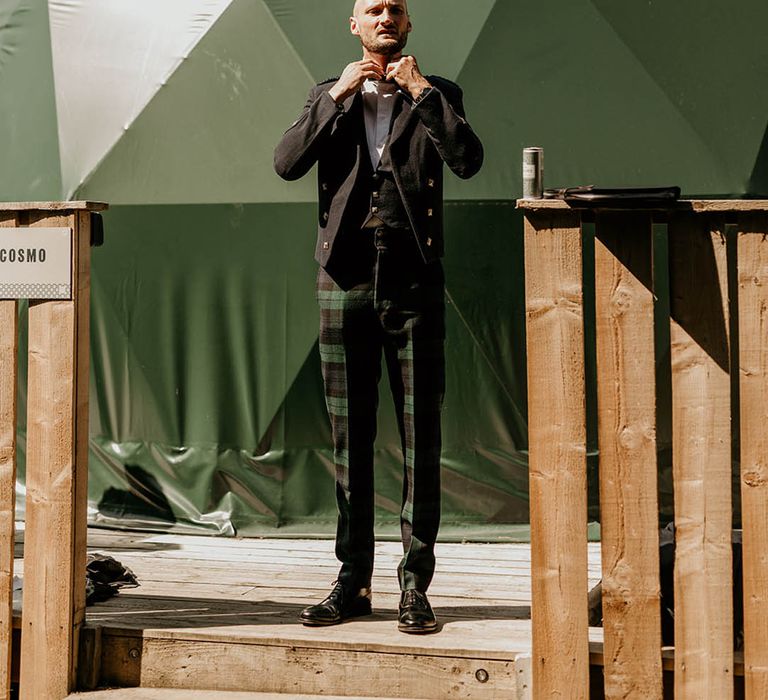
[[355, 97], [401, 117]]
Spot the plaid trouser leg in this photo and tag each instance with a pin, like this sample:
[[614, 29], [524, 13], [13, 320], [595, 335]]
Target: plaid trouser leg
[[421, 371], [414, 327], [350, 354], [400, 309]]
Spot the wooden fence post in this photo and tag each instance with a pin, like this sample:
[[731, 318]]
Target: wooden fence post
[[8, 383], [701, 447], [57, 462], [557, 453], [753, 382], [624, 302]]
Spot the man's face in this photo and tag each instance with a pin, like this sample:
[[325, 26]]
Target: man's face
[[382, 25]]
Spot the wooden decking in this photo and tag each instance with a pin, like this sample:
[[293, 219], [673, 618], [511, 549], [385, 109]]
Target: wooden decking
[[220, 614], [164, 694]]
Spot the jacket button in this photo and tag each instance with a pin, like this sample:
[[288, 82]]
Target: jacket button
[[429, 212], [374, 209], [430, 183], [375, 195], [429, 241], [325, 186], [325, 245], [325, 216]]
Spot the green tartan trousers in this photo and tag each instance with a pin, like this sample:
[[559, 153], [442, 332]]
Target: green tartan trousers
[[395, 307]]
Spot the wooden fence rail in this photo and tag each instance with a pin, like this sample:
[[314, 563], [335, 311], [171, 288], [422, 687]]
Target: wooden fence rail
[[56, 464], [702, 362]]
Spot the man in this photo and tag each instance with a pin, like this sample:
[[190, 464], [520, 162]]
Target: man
[[380, 134]]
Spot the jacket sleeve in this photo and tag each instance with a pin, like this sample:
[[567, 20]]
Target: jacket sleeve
[[301, 146], [445, 121]]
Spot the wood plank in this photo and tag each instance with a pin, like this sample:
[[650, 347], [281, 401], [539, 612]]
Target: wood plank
[[479, 638], [173, 694], [130, 661], [557, 454], [8, 386], [701, 458], [79, 505], [53, 206], [53, 564], [100, 538], [288, 582], [694, 205], [626, 396], [232, 549], [89, 651], [329, 565], [330, 568], [753, 383]]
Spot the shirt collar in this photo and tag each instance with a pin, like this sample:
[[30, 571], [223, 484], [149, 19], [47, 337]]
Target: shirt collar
[[379, 87]]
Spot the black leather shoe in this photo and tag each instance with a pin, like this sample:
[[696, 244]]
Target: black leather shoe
[[416, 616], [340, 605]]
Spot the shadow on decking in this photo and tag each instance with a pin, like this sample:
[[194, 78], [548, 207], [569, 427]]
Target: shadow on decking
[[137, 611]]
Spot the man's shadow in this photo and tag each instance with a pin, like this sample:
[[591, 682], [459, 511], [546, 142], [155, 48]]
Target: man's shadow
[[142, 502], [167, 612]]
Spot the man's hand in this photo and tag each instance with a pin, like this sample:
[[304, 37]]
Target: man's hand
[[407, 75], [354, 75]]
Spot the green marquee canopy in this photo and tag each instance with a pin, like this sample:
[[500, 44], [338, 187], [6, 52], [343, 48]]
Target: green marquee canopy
[[206, 397]]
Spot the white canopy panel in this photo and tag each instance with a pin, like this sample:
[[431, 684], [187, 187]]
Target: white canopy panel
[[110, 57]]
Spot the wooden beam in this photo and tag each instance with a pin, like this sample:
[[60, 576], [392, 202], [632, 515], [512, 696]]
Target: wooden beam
[[753, 384], [557, 454], [682, 205], [171, 694], [79, 507], [8, 384], [56, 476], [130, 660], [627, 439], [60, 207], [701, 453]]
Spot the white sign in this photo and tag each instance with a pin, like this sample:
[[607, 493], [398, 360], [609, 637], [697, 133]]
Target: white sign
[[35, 263]]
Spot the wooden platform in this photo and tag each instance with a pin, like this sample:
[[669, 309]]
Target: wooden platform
[[220, 614], [164, 694]]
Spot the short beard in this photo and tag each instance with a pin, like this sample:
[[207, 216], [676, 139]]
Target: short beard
[[388, 49]]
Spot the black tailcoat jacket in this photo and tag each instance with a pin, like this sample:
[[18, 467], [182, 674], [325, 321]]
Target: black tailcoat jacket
[[424, 135]]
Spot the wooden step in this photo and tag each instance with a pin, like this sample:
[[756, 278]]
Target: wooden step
[[220, 617], [174, 694]]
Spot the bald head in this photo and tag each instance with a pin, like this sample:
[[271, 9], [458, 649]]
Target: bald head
[[382, 25], [361, 4]]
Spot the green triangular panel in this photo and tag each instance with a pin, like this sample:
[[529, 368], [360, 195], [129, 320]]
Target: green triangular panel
[[717, 82], [443, 34], [28, 130], [209, 133], [570, 84], [202, 317]]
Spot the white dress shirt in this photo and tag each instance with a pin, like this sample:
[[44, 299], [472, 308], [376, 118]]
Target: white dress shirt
[[378, 102]]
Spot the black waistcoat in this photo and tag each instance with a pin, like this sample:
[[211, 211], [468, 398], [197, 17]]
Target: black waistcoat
[[385, 199]]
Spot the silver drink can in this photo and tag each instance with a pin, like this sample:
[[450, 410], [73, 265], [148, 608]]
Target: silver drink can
[[533, 173]]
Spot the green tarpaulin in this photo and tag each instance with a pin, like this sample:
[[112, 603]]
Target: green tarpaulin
[[206, 397]]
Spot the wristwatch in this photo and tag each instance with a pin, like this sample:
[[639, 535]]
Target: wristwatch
[[422, 95]]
